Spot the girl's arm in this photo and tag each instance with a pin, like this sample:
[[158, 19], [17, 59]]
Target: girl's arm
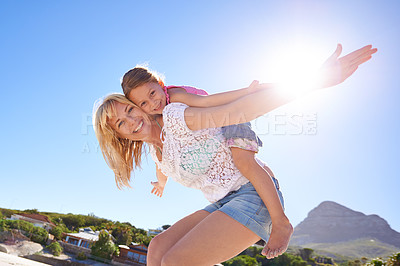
[[334, 71], [180, 95], [158, 187]]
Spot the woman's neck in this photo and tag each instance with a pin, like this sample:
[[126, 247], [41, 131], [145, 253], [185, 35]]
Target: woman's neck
[[157, 124]]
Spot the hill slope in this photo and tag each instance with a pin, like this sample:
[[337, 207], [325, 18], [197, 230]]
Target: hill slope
[[338, 229]]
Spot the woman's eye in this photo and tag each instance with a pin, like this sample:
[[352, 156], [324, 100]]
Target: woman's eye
[[120, 124], [143, 104], [130, 110]]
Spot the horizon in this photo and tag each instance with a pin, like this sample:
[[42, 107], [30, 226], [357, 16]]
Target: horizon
[[147, 229], [339, 144]]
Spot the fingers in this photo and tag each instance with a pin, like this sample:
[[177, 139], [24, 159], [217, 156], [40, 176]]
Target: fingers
[[338, 51], [254, 83], [360, 53], [360, 61]]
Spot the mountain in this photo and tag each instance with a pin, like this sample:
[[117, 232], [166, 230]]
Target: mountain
[[338, 229]]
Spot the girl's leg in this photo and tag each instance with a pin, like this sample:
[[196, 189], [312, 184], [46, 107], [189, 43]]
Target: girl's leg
[[160, 244], [260, 177], [215, 239]]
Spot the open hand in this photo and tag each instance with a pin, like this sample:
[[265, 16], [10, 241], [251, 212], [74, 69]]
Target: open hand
[[335, 70], [157, 189]]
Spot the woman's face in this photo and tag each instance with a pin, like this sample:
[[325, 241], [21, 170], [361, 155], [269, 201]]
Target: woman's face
[[130, 122], [150, 97]]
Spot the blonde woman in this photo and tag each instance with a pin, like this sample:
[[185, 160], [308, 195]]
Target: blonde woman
[[185, 149]]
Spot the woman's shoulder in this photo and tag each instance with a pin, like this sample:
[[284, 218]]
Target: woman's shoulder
[[173, 108], [174, 119]]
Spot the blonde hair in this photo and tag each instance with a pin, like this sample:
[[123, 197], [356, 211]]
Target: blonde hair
[[138, 76], [118, 152]]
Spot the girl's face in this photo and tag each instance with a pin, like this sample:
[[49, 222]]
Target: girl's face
[[150, 97], [130, 122]]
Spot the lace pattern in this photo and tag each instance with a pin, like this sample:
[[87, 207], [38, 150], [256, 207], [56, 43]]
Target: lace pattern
[[198, 159]]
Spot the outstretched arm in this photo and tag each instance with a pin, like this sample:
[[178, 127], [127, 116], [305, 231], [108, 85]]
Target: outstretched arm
[[180, 95], [334, 71], [158, 187]]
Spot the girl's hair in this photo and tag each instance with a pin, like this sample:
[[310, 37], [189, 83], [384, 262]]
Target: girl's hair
[[118, 152], [138, 76]]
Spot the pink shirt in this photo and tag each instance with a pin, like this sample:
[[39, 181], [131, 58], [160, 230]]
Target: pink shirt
[[188, 89]]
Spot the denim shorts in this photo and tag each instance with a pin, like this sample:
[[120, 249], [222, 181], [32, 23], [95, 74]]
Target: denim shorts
[[245, 206], [243, 130]]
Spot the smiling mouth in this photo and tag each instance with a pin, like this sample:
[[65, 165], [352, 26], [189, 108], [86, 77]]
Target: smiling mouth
[[158, 107], [139, 127]]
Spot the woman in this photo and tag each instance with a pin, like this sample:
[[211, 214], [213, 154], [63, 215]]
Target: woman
[[238, 218]]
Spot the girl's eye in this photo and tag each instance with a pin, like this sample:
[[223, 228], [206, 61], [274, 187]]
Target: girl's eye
[[120, 124], [142, 104], [152, 93], [130, 110]]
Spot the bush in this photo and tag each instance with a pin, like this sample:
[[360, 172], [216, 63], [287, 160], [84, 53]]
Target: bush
[[39, 235], [104, 247], [81, 256], [57, 232], [394, 260], [36, 234], [242, 260], [4, 226], [55, 248], [377, 262]]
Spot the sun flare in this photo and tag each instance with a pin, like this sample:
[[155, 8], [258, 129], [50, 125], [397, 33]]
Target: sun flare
[[295, 67]]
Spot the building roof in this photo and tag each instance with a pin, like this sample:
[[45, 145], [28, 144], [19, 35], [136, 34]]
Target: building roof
[[38, 217], [86, 233]]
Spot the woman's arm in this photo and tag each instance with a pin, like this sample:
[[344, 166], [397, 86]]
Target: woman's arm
[[193, 100], [334, 71]]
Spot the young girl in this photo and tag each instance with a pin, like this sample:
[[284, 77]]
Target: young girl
[[147, 90]]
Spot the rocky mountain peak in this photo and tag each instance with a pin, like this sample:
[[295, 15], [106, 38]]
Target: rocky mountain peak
[[333, 209], [331, 222]]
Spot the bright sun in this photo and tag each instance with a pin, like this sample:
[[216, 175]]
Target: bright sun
[[295, 66]]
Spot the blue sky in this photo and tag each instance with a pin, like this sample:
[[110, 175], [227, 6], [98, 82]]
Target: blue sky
[[58, 57]]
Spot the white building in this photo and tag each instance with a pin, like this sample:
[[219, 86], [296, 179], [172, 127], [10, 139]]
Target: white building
[[36, 219], [84, 238]]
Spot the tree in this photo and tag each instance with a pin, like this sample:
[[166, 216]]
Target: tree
[[104, 247], [165, 227], [394, 260]]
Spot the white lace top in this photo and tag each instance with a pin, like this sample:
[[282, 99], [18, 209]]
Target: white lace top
[[197, 159]]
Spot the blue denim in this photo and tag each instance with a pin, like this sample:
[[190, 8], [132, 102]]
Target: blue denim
[[241, 131], [245, 206]]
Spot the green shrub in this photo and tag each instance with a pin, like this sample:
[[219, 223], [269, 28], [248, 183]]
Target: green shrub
[[57, 232], [104, 247], [81, 256], [39, 235], [394, 260], [36, 234], [55, 248], [4, 226], [241, 260], [376, 262]]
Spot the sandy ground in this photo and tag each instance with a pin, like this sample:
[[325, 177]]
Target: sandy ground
[[7, 259]]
